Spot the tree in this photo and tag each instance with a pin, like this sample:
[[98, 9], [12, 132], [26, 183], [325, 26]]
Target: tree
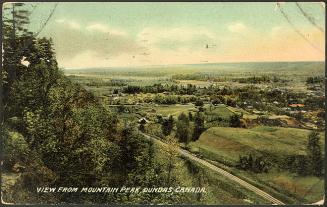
[[235, 121], [167, 125], [142, 125], [231, 102], [199, 102], [145, 165], [198, 126], [314, 153], [190, 116], [172, 151], [16, 149], [14, 28], [182, 128], [253, 162], [299, 165], [15, 34], [184, 118]]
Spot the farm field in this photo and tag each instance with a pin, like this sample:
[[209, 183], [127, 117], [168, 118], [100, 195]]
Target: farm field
[[174, 110], [225, 145], [235, 141]]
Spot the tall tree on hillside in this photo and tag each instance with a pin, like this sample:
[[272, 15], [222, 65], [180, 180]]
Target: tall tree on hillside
[[315, 154], [198, 126], [184, 118], [171, 150], [15, 20], [167, 125], [183, 128], [190, 116], [14, 37]]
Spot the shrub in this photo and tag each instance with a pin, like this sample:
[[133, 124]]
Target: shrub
[[16, 149], [254, 163]]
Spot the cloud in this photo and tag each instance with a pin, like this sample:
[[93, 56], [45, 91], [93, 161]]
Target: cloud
[[98, 27], [70, 23], [152, 46], [186, 33], [177, 38], [101, 45], [101, 42], [237, 27]]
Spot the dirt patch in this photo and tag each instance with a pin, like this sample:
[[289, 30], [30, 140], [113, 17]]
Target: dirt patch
[[291, 122]]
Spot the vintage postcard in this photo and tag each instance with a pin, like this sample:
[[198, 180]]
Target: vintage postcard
[[154, 103]]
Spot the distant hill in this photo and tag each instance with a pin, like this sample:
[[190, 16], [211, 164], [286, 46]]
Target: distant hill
[[294, 67]]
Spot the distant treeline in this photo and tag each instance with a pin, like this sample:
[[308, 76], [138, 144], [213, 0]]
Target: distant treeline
[[160, 88], [219, 78], [199, 76], [243, 96], [315, 79], [107, 83], [259, 79], [98, 82]]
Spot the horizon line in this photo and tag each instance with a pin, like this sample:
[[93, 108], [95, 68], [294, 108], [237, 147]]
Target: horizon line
[[167, 65]]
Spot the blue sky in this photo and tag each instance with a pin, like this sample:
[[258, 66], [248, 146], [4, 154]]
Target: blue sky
[[130, 34]]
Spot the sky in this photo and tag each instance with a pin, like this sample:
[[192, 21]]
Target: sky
[[134, 34]]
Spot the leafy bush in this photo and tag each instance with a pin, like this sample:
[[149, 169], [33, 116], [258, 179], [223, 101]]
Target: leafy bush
[[16, 149], [254, 163]]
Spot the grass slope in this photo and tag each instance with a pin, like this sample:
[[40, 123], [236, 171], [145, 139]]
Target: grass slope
[[225, 144], [231, 142]]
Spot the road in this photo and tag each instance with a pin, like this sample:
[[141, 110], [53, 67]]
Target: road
[[222, 172]]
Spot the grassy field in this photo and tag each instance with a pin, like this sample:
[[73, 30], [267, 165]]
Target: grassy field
[[174, 110], [231, 142], [219, 190], [226, 144], [220, 110]]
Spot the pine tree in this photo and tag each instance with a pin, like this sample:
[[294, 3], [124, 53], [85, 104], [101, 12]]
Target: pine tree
[[171, 150], [235, 121], [190, 116], [15, 20], [183, 128], [167, 126], [14, 36], [184, 118], [198, 126], [314, 154]]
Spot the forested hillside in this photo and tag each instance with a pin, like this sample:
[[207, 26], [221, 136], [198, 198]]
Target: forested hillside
[[55, 133]]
